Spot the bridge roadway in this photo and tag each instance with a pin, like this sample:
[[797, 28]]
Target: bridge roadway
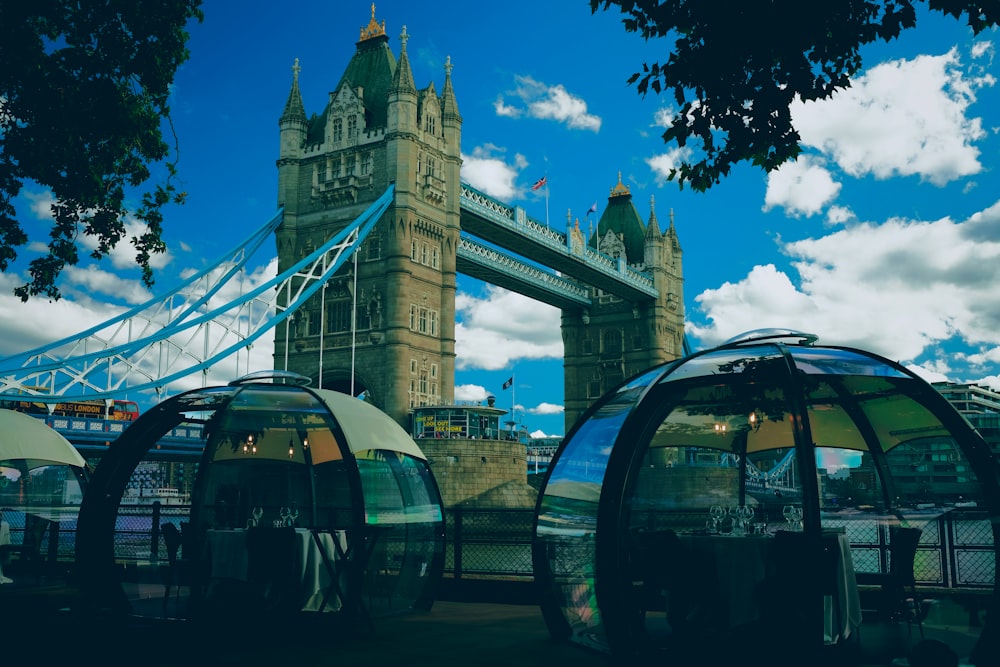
[[510, 228], [92, 437]]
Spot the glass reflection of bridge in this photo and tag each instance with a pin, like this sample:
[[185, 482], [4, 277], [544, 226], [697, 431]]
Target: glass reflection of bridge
[[194, 326]]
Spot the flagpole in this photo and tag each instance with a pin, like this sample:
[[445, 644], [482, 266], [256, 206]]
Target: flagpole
[[546, 204], [513, 417]]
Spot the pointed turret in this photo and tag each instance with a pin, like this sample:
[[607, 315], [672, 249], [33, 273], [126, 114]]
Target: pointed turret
[[294, 109], [671, 235], [652, 227], [653, 247], [293, 122], [402, 93], [450, 118], [402, 79], [449, 105]]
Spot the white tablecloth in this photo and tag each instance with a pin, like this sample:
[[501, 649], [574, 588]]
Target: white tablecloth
[[4, 539], [227, 553], [849, 604]]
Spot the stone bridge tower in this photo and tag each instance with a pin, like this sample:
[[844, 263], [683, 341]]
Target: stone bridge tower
[[376, 129], [615, 339]]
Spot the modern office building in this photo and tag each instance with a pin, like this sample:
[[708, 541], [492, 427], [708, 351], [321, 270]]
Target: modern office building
[[980, 405]]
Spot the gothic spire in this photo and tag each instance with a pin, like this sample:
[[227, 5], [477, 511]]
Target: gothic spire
[[294, 109], [653, 227], [402, 79], [449, 108]]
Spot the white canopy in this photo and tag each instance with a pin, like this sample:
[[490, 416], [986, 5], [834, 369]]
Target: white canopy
[[26, 438], [367, 427]]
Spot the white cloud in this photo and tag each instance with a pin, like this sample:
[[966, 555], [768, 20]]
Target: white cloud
[[505, 110], [470, 392], [801, 187], [91, 280], [902, 118], [548, 102], [984, 48], [662, 164], [901, 289], [84, 306], [664, 117], [29, 325], [486, 169], [546, 409], [502, 327], [837, 215], [122, 257]]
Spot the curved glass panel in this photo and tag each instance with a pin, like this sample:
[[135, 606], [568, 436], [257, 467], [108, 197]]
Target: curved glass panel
[[278, 460], [705, 491], [760, 479], [403, 528], [39, 506], [722, 362], [259, 460], [815, 361], [567, 520]]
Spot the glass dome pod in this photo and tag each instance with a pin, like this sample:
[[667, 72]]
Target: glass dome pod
[[42, 480], [662, 527], [305, 500]]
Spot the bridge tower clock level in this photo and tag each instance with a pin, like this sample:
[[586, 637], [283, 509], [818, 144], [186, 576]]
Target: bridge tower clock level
[[384, 325]]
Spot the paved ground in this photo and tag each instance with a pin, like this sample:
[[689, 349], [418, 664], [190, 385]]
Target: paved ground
[[451, 634]]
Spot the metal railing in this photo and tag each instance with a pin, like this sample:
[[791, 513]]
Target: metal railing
[[956, 549]]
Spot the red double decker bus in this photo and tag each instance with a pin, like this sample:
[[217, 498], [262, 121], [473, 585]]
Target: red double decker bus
[[116, 409]]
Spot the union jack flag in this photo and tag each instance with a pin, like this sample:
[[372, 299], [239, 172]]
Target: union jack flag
[[540, 182]]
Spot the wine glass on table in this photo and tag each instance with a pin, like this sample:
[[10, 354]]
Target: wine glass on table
[[788, 511], [745, 514], [257, 513], [284, 513], [716, 512], [293, 516]]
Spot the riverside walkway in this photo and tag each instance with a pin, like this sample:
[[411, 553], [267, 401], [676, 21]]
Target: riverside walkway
[[451, 634]]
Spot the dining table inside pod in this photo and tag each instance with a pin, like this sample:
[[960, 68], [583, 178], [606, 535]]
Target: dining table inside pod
[[311, 561], [729, 577]]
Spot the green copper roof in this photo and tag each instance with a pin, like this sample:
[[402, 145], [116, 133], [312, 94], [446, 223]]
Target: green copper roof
[[622, 218], [371, 68]]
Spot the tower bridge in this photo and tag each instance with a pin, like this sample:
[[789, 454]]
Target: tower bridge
[[373, 226]]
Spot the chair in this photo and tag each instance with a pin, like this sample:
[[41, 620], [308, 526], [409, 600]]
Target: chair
[[29, 552], [172, 575], [899, 598], [271, 568], [796, 581], [671, 581]]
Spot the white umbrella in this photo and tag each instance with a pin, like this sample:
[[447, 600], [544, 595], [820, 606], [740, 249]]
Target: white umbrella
[[26, 438]]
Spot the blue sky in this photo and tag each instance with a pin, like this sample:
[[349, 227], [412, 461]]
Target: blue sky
[[884, 235]]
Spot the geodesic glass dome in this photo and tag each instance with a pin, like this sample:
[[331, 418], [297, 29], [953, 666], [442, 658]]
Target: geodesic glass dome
[[305, 500], [742, 495]]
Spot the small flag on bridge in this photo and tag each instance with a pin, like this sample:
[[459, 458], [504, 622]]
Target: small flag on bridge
[[592, 209], [540, 183], [509, 383]]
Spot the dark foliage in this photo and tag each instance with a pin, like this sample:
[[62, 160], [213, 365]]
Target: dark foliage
[[735, 67], [83, 98]]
